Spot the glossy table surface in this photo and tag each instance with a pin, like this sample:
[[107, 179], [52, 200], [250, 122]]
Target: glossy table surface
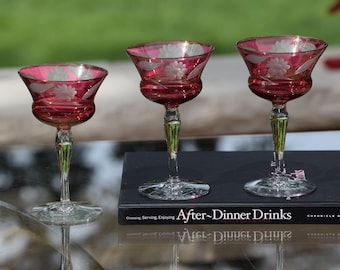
[[29, 177]]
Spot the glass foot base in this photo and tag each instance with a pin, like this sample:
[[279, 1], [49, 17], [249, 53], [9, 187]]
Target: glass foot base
[[285, 187], [174, 191], [70, 213]]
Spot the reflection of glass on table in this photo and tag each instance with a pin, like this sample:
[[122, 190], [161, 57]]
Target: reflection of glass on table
[[26, 243], [27, 175]]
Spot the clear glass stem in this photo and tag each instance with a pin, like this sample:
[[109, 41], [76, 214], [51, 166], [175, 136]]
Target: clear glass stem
[[65, 261], [65, 212], [172, 124], [63, 144], [279, 257], [174, 258], [173, 188], [280, 184], [279, 123]]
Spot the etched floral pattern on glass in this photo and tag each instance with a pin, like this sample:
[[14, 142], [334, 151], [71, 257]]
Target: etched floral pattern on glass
[[171, 75], [280, 70], [63, 96]]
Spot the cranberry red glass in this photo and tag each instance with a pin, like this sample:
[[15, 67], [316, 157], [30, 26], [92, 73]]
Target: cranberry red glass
[[280, 70], [63, 96], [171, 75]]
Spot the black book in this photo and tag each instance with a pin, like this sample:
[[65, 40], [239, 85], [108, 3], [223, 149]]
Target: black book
[[227, 201]]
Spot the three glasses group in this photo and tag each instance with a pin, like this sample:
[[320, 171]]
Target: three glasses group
[[63, 96]]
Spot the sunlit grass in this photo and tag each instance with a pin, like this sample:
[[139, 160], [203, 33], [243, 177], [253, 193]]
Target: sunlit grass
[[37, 31]]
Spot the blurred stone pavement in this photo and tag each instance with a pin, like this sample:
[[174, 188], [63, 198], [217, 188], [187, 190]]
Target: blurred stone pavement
[[225, 106]]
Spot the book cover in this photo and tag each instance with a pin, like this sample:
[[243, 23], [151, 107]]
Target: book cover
[[227, 201]]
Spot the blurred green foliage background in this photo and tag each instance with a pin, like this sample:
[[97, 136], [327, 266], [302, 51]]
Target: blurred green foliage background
[[39, 31]]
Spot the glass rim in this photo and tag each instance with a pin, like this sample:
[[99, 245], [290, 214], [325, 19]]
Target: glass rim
[[88, 66], [164, 42], [239, 42]]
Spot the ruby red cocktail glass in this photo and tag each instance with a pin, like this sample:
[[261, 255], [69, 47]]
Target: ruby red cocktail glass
[[171, 75], [63, 96], [280, 70]]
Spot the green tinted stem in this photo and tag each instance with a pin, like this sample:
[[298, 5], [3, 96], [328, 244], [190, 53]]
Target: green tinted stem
[[63, 144], [172, 124], [279, 123]]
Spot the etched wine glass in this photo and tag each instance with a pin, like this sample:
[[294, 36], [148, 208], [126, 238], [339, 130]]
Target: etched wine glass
[[171, 75], [63, 96], [280, 70]]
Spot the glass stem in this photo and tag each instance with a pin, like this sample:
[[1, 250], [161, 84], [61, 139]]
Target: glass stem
[[63, 144], [172, 124], [279, 123], [65, 261], [174, 257], [279, 257]]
